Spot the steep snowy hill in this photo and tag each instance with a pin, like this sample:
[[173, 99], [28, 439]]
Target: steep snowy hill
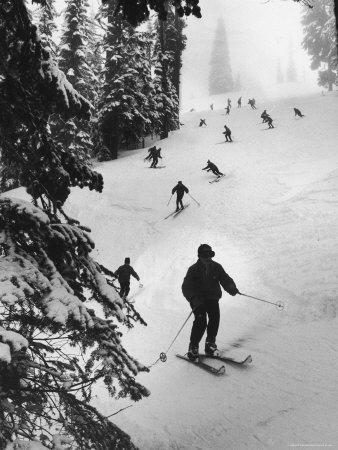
[[272, 223]]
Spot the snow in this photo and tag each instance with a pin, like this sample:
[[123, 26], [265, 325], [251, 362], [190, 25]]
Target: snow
[[272, 223]]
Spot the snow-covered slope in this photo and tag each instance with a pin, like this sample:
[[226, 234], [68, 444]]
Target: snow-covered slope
[[272, 222]]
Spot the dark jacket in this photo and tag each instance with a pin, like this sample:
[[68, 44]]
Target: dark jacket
[[206, 285], [124, 272], [211, 166], [180, 189]]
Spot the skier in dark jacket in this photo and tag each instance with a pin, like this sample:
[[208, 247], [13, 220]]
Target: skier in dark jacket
[[298, 113], [268, 119], [150, 153], [155, 155], [123, 274], [202, 288], [264, 116], [202, 122], [227, 109], [213, 168], [227, 134], [180, 189]]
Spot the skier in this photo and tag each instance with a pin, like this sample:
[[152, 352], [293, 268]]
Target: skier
[[150, 153], [213, 168], [180, 189], [252, 102], [155, 155], [229, 103], [201, 287], [227, 134], [123, 274], [239, 102], [202, 122], [227, 110], [212, 106], [298, 113], [264, 116], [269, 121]]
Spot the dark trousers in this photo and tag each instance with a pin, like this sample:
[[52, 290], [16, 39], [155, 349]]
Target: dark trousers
[[200, 324], [228, 137], [217, 172], [124, 288], [179, 203], [155, 161]]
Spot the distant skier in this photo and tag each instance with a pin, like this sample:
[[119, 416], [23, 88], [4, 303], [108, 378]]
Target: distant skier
[[298, 113], [150, 153], [229, 102], [202, 122], [252, 103], [123, 274], [180, 190], [213, 168], [227, 109], [269, 121], [227, 134], [264, 116], [155, 155], [212, 106], [239, 102], [202, 288]]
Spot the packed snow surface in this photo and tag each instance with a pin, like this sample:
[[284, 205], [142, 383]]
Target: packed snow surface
[[272, 221]]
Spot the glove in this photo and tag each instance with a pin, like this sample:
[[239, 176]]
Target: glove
[[234, 291]]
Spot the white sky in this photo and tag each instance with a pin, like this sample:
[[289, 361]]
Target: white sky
[[259, 32]]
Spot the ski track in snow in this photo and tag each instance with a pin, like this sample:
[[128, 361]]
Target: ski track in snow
[[272, 223]]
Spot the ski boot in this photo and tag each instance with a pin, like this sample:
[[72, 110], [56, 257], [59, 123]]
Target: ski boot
[[192, 352], [210, 348]]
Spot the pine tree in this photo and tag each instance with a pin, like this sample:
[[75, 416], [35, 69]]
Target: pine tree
[[73, 133], [279, 75], [291, 73], [175, 44], [220, 78], [320, 41], [47, 272], [46, 25], [125, 114]]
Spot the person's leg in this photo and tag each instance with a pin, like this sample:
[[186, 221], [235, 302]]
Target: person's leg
[[123, 289], [177, 203], [181, 203], [199, 325], [213, 321]]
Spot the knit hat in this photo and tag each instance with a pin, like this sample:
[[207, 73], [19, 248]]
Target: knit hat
[[205, 251]]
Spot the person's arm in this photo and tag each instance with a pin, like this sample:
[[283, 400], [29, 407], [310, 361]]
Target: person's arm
[[117, 273], [173, 190], [190, 289], [186, 189], [227, 282], [134, 274], [204, 168]]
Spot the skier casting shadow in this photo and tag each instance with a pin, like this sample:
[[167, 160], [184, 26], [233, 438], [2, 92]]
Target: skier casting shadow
[[202, 288], [180, 190], [227, 134], [213, 168], [123, 274], [155, 155]]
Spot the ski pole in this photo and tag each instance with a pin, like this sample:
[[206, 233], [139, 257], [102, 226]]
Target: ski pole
[[194, 199], [163, 355], [280, 305], [170, 199]]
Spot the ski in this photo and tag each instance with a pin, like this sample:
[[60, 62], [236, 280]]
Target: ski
[[228, 359], [180, 210], [217, 179], [157, 167], [215, 371], [171, 214]]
